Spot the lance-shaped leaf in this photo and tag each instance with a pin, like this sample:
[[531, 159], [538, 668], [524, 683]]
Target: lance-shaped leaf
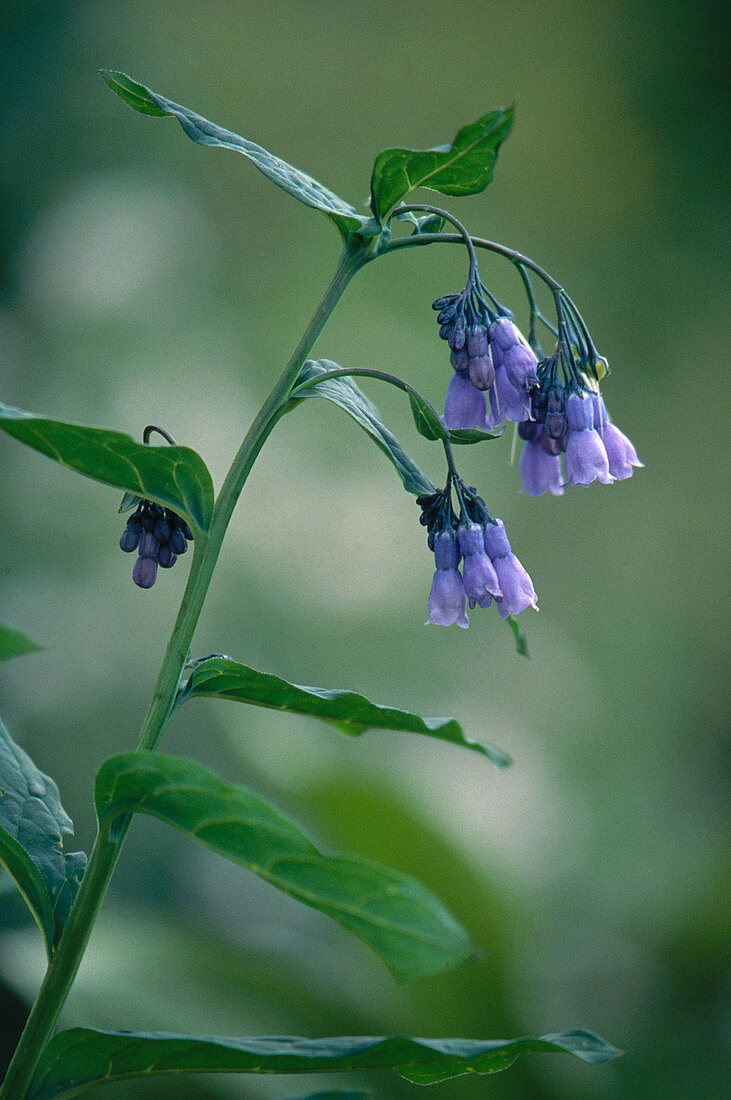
[[173, 476], [344, 393], [462, 168], [395, 915], [80, 1057], [521, 644], [15, 644], [33, 824], [222, 678], [200, 130]]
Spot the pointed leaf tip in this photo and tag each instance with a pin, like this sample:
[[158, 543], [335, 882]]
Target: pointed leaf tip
[[135, 95]]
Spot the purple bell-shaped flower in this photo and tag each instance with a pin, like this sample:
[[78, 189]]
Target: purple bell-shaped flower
[[621, 453], [516, 586], [586, 455], [480, 579], [447, 601]]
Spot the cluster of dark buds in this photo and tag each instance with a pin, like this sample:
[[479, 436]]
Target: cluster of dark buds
[[489, 355], [159, 536], [568, 417], [490, 571]]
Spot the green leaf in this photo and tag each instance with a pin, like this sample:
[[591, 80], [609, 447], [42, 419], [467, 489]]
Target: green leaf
[[395, 915], [33, 824], [80, 1057], [220, 677], [344, 393], [338, 1094], [462, 168], [461, 436], [427, 422], [173, 476], [429, 223], [200, 130], [521, 645], [15, 644]]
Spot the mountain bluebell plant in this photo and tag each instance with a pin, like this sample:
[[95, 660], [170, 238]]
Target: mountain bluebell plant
[[554, 401]]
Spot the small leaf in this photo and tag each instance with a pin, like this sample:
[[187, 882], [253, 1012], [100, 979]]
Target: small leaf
[[173, 476], [395, 915], [82, 1056], [200, 130], [521, 645], [427, 422], [463, 168], [222, 678], [429, 223], [345, 393], [15, 644], [461, 436], [33, 824]]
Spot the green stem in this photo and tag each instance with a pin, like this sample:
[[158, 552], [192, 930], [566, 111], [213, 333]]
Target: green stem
[[106, 850]]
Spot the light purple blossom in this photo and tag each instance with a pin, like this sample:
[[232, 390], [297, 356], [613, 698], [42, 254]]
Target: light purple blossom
[[520, 364], [507, 403], [540, 472], [480, 579], [465, 406], [586, 456], [447, 601], [621, 453], [516, 586], [505, 333]]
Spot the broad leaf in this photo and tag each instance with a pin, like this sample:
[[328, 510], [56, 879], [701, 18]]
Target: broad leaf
[[395, 915], [345, 393], [222, 678], [80, 1057], [462, 168], [200, 130], [15, 644], [173, 476], [33, 824]]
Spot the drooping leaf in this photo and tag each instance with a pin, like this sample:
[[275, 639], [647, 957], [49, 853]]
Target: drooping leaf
[[33, 824], [395, 915], [345, 393], [79, 1057], [222, 678], [15, 644], [200, 130], [463, 168], [461, 436], [173, 476], [521, 645]]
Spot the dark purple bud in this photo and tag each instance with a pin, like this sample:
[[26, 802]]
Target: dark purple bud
[[149, 545], [178, 545], [440, 303], [482, 372], [186, 529], [551, 446], [555, 402], [457, 336], [165, 556], [144, 572], [529, 430], [444, 332], [130, 536], [556, 425], [476, 340], [162, 530], [446, 315], [460, 360]]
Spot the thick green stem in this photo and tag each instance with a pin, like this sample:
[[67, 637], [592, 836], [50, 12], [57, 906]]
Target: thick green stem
[[105, 852]]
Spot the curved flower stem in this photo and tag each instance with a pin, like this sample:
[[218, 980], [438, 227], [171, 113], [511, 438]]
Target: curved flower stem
[[106, 850], [426, 208]]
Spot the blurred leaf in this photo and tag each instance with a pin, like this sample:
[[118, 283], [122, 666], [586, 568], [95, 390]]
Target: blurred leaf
[[347, 711], [129, 501], [76, 1058], [521, 645], [345, 393], [173, 476], [15, 644], [395, 915], [33, 824], [462, 168], [338, 1094], [200, 130], [427, 422]]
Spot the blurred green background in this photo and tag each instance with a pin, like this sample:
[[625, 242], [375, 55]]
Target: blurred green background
[[145, 279]]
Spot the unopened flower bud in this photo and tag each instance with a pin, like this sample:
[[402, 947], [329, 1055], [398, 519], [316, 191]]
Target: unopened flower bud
[[460, 360], [144, 573], [476, 341], [482, 372]]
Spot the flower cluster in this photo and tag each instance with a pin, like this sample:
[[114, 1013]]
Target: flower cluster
[[489, 355], [571, 419], [159, 536], [490, 571]]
